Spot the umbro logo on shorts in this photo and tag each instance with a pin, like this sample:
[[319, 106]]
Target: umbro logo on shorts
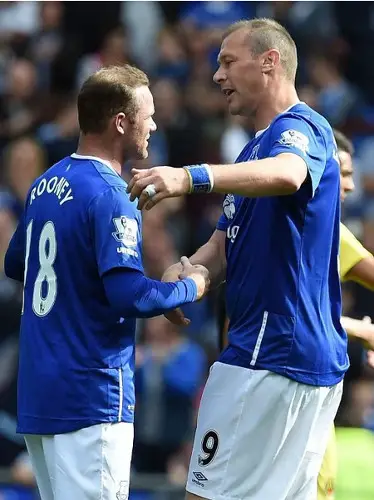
[[199, 479], [200, 476]]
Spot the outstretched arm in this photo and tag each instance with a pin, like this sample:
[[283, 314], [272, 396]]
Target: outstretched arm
[[212, 256], [362, 330], [363, 273], [295, 151], [281, 175]]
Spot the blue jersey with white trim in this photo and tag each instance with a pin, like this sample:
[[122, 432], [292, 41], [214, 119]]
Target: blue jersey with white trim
[[76, 355], [283, 292]]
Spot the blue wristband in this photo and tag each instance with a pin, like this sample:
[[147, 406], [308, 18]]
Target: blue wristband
[[201, 178]]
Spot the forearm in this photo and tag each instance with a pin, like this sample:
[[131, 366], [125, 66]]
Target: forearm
[[132, 294], [281, 175], [360, 330], [363, 273], [267, 177], [211, 255]]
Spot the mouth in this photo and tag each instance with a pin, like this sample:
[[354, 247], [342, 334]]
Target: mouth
[[228, 92]]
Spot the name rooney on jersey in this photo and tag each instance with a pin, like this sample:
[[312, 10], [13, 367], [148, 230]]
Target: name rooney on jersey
[[58, 186]]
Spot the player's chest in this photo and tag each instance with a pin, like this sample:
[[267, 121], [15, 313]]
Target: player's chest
[[248, 218]]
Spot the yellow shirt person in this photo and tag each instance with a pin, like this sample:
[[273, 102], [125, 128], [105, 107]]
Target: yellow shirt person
[[351, 253]]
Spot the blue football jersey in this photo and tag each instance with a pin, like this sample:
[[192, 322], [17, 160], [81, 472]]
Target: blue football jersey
[[76, 355], [283, 291]]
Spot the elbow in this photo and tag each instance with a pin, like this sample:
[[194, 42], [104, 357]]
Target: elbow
[[290, 184], [293, 178], [291, 171]]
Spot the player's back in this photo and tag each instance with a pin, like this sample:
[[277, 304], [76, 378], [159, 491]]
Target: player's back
[[76, 354]]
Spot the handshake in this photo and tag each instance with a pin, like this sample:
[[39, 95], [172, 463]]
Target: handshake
[[184, 269]]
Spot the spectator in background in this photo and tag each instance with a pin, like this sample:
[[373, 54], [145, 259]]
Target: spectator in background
[[46, 43], [114, 50], [172, 59], [309, 23], [158, 244], [18, 20], [337, 99], [143, 22], [22, 161], [182, 131], [60, 136], [20, 104], [366, 164], [170, 372], [235, 136], [205, 22]]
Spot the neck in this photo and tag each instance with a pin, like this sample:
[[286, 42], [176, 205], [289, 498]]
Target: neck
[[96, 145], [275, 101]]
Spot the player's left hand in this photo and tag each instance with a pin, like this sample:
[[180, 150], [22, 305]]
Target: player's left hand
[[370, 333], [167, 181]]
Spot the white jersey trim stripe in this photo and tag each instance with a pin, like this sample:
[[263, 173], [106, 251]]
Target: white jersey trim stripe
[[120, 385], [259, 339]]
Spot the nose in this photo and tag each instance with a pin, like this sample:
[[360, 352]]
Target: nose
[[153, 126], [351, 186], [219, 76]]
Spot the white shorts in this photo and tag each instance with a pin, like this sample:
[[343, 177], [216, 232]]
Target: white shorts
[[260, 436], [89, 464]]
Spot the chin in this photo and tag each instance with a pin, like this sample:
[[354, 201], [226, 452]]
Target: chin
[[142, 154], [235, 110]]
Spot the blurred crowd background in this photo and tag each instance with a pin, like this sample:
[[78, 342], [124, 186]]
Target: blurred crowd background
[[47, 49]]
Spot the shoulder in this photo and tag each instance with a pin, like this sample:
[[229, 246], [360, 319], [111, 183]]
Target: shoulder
[[301, 119], [348, 240], [350, 247], [113, 198]]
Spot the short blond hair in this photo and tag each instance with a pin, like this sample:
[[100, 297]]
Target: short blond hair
[[265, 34], [109, 91]]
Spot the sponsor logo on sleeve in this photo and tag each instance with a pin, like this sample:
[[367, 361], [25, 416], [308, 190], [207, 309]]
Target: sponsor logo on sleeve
[[126, 231], [295, 139]]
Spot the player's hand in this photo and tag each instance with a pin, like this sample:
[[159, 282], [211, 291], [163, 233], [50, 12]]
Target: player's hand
[[199, 274], [370, 359], [172, 272], [176, 316], [369, 337], [168, 182]]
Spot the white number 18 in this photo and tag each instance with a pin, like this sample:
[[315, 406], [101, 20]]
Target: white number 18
[[47, 255]]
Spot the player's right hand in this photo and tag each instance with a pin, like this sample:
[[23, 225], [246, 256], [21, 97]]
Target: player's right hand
[[198, 273], [175, 316]]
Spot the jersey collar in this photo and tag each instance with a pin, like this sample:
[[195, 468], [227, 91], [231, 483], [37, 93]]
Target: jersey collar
[[94, 158], [260, 132]]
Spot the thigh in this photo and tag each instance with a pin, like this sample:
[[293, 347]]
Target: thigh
[[39, 466], [306, 483], [93, 463], [252, 434], [328, 471]]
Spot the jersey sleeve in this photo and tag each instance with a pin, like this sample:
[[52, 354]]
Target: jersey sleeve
[[223, 223], [351, 251], [292, 134], [228, 213], [116, 229], [14, 261]]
